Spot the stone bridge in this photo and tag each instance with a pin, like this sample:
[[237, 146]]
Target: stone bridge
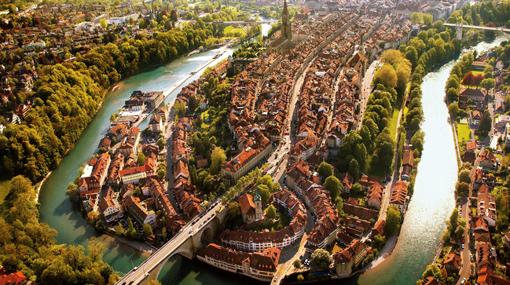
[[460, 27], [195, 234]]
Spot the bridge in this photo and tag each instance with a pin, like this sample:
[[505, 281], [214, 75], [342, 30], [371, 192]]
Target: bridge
[[460, 27], [240, 23], [190, 238]]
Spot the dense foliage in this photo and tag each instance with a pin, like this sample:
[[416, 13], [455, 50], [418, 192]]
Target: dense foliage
[[68, 95], [29, 246]]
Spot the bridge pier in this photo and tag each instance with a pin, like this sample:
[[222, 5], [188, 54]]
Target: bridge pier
[[459, 33]]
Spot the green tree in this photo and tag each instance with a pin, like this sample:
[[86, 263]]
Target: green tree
[[488, 84], [218, 158], [333, 185], [141, 158], [417, 141], [233, 213], [354, 170], [465, 176], [383, 154], [320, 259], [339, 205], [462, 188], [485, 124], [393, 221], [147, 230], [325, 170], [271, 212], [454, 109], [386, 75], [297, 263]]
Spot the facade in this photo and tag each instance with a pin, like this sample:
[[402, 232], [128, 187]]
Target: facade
[[258, 265]]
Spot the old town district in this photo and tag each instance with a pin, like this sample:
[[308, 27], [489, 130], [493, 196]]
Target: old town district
[[289, 111]]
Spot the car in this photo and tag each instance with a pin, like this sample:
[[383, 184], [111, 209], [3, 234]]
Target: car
[[462, 246], [135, 268], [463, 281]]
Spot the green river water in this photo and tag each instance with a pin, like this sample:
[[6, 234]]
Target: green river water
[[430, 206]]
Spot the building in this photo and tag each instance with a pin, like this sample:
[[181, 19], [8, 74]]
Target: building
[[407, 163], [258, 265], [350, 257], [139, 211], [256, 241], [251, 208], [486, 206], [375, 194], [135, 174], [110, 207], [399, 195], [94, 175], [246, 161], [286, 25]]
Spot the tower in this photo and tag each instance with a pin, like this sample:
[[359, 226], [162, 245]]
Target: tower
[[286, 27], [259, 214]]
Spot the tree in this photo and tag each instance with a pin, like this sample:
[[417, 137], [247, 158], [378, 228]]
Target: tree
[[339, 205], [131, 231], [233, 212], [454, 109], [265, 193], [320, 259], [297, 263], [487, 84], [271, 212], [417, 141], [333, 185], [141, 158], [383, 154], [354, 169], [462, 188], [464, 176], [104, 23], [454, 219], [180, 108], [485, 124], [386, 75], [147, 230], [218, 157], [393, 221], [325, 169]]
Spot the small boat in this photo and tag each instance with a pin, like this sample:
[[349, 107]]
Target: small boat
[[193, 73], [216, 56]]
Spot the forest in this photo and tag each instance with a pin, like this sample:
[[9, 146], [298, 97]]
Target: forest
[[67, 96]]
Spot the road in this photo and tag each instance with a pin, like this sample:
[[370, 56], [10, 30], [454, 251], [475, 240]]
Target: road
[[465, 270], [283, 268], [366, 89], [141, 272]]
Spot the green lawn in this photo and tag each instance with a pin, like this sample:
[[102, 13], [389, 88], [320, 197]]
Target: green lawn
[[393, 124], [463, 133], [5, 186]]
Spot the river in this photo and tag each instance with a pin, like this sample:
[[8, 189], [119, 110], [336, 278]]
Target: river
[[433, 199], [429, 208], [54, 205]]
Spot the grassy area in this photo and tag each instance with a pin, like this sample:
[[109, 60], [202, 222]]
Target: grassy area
[[463, 133], [393, 124], [5, 186]]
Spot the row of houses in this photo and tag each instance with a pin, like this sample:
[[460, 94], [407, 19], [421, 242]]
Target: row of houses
[[261, 94], [256, 241]]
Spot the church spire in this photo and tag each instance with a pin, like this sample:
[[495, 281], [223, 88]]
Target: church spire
[[286, 27]]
